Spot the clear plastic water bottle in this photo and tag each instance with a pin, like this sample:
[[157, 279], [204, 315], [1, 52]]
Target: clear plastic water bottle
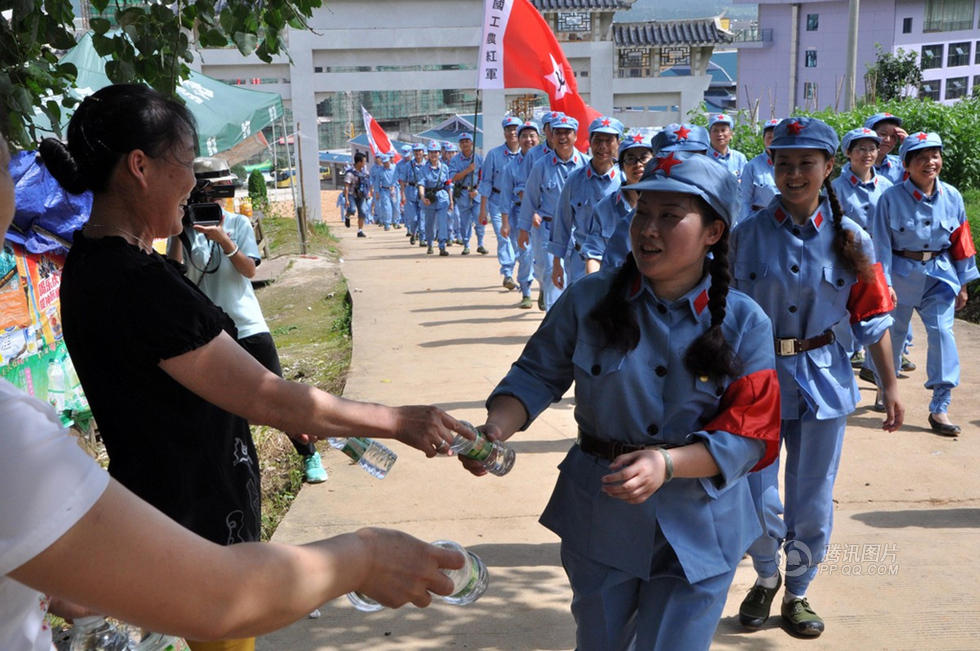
[[374, 457], [498, 458], [469, 581], [96, 633], [56, 385]]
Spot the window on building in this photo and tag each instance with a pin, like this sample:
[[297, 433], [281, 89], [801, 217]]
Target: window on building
[[976, 85], [976, 53], [906, 25], [574, 21], [956, 87], [317, 68], [947, 15], [811, 59], [932, 57], [634, 62], [812, 22], [809, 90], [674, 56], [929, 89], [958, 54]]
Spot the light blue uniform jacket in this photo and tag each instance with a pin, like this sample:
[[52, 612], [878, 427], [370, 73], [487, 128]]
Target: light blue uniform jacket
[[857, 198]]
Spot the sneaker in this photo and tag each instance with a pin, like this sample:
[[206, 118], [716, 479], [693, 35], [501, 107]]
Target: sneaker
[[421, 242], [868, 375], [429, 251], [799, 618], [361, 234], [465, 251], [754, 610], [313, 471], [857, 359], [449, 242], [509, 283], [879, 405], [443, 252], [526, 303], [541, 301], [481, 250], [411, 239], [347, 222], [907, 364], [398, 227]]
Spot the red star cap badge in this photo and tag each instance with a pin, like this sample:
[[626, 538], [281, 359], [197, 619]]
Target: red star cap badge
[[866, 130], [922, 136], [667, 163], [605, 122], [564, 120], [637, 137], [794, 128], [888, 115], [682, 133]]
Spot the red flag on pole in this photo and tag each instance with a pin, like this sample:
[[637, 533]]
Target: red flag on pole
[[377, 137], [519, 50]]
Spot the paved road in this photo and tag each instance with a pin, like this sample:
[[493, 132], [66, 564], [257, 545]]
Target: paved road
[[902, 573]]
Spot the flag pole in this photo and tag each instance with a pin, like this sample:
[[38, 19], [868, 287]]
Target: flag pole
[[476, 112]]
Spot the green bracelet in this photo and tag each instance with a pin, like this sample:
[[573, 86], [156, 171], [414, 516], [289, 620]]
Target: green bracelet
[[668, 463]]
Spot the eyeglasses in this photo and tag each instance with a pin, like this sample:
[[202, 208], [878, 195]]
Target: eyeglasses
[[865, 150], [633, 160]]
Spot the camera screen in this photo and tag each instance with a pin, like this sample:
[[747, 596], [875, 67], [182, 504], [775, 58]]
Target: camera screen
[[205, 214]]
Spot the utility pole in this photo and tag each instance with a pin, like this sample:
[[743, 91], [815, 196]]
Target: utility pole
[[850, 79]]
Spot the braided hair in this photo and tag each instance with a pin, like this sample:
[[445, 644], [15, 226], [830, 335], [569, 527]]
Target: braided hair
[[710, 354], [847, 245]]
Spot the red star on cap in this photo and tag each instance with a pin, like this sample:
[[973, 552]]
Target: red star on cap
[[667, 162], [605, 122], [922, 136], [720, 117], [564, 120], [682, 133], [794, 128], [866, 130], [637, 137], [888, 115]]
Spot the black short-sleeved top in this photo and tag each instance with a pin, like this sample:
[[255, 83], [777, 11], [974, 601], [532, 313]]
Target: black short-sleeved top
[[123, 311]]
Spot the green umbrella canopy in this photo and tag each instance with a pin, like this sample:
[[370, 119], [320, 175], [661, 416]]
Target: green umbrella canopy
[[225, 114]]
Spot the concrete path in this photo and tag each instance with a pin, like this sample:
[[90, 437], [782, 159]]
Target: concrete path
[[901, 572]]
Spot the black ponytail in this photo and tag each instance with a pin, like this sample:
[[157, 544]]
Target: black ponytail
[[711, 354], [847, 246], [613, 313]]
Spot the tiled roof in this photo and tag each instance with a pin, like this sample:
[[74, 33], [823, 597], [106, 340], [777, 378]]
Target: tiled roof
[[572, 5], [701, 31]]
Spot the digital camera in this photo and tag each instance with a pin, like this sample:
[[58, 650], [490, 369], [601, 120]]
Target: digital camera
[[214, 181]]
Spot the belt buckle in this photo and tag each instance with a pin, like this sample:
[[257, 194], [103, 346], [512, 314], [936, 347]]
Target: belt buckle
[[928, 255], [786, 347]]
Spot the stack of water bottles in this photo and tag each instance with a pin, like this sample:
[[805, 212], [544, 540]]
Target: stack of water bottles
[[96, 633]]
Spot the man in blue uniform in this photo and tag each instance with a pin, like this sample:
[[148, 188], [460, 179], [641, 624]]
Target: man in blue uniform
[[542, 192], [584, 189], [514, 177], [385, 191], [491, 203], [758, 185], [410, 194], [449, 152], [435, 194], [720, 133], [465, 169]]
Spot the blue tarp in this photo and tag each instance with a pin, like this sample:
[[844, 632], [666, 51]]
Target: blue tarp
[[42, 205]]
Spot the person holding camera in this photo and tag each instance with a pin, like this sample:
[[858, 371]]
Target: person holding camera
[[166, 380], [357, 191], [222, 260]]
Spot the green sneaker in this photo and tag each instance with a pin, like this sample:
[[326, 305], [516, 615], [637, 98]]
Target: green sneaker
[[857, 359], [526, 303], [907, 364], [799, 618], [754, 610], [313, 471]]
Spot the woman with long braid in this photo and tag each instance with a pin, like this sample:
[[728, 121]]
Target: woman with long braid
[[817, 280], [675, 400]]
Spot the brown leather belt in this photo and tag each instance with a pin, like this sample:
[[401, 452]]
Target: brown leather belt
[[607, 450], [921, 256], [793, 346], [545, 219]]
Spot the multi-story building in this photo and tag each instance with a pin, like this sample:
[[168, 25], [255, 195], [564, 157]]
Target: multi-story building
[[796, 57], [415, 63]]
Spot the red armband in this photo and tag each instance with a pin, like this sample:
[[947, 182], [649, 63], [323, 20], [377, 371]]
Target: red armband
[[961, 243], [870, 297], [750, 408]]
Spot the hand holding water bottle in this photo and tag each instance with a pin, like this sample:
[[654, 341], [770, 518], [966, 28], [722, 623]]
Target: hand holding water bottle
[[428, 428], [488, 454], [403, 569]]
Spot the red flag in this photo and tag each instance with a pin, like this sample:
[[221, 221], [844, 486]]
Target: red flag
[[519, 50], [377, 137]]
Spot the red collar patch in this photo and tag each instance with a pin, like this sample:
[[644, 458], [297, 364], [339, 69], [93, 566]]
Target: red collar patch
[[701, 301], [818, 220]]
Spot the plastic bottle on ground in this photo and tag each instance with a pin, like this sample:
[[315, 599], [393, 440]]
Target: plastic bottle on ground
[[375, 458], [498, 458]]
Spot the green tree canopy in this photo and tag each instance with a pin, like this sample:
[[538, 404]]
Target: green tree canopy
[[151, 42], [892, 75]]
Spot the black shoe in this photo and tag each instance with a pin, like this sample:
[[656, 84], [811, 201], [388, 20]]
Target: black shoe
[[879, 403], [541, 301], [361, 234], [443, 252], [429, 250], [347, 222], [421, 242], [754, 610], [868, 375], [481, 250], [465, 251], [942, 428], [411, 239], [907, 364], [800, 619]]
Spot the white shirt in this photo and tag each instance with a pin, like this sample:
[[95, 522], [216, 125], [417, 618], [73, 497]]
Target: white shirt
[[47, 483]]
